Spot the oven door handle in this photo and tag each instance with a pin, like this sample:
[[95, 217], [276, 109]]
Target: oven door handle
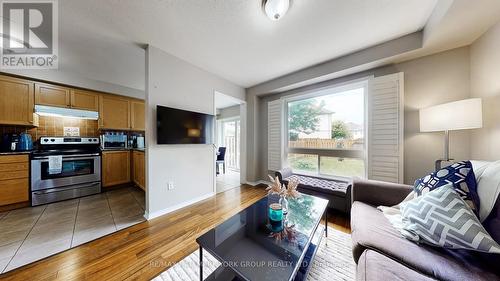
[[70, 157]]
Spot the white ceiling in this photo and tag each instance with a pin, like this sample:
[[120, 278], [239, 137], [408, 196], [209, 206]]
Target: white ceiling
[[234, 39]]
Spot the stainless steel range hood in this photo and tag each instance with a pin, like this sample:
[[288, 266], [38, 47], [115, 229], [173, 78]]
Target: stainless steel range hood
[[43, 110]]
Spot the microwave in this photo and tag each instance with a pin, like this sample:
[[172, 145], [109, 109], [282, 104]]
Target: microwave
[[113, 141]]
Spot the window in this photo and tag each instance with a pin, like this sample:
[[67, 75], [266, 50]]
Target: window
[[326, 132]]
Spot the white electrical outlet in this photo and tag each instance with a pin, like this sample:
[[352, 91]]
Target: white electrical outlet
[[170, 185]]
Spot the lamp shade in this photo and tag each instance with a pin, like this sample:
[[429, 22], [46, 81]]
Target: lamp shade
[[457, 115]]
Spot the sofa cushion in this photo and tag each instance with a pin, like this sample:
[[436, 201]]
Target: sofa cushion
[[488, 185], [442, 218], [375, 266], [461, 175], [371, 230], [316, 184]]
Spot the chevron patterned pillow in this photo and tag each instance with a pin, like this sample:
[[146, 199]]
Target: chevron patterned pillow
[[442, 218], [461, 175]]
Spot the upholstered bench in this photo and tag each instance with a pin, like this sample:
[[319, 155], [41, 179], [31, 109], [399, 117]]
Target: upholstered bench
[[337, 192]]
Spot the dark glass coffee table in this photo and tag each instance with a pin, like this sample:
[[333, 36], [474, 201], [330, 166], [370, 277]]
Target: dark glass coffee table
[[247, 249]]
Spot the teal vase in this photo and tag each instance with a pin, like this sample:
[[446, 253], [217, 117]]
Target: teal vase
[[276, 217]]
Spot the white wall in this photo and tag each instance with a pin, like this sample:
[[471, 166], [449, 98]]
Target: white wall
[[432, 80], [173, 82], [485, 83]]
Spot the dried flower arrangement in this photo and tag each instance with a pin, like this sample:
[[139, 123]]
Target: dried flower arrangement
[[289, 191], [288, 232]]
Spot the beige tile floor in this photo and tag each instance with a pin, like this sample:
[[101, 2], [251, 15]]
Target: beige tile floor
[[229, 180], [33, 233]]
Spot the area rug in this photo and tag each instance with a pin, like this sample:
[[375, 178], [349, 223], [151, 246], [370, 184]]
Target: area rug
[[333, 261]]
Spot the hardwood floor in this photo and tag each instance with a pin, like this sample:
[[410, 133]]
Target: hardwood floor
[[145, 250]]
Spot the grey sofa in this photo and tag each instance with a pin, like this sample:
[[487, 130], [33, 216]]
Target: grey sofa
[[382, 254], [338, 193]]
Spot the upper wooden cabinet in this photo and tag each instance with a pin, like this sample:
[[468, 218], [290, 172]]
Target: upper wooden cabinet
[[114, 112], [19, 96], [58, 96], [52, 95], [16, 101], [86, 100], [137, 116]]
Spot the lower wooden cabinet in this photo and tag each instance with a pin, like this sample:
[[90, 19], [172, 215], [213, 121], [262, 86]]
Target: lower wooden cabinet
[[115, 167], [139, 169], [14, 179]]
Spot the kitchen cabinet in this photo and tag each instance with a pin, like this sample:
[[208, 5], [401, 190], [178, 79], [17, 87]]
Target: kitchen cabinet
[[14, 179], [115, 167], [137, 115], [52, 95], [19, 96], [58, 96], [16, 101], [85, 100], [114, 112], [139, 169]]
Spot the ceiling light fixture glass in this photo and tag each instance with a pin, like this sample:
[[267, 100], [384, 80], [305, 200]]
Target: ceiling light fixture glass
[[276, 9]]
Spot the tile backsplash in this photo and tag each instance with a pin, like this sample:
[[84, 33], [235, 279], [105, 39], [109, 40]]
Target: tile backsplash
[[54, 126]]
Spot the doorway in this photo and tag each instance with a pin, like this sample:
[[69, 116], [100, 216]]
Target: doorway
[[228, 131]]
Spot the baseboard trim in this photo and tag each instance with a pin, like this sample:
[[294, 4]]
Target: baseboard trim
[[150, 216]]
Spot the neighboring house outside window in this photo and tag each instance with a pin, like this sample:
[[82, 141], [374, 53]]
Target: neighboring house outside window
[[326, 132]]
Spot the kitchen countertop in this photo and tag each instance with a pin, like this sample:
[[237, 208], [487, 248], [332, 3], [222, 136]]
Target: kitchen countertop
[[123, 149], [107, 149], [15, 152]]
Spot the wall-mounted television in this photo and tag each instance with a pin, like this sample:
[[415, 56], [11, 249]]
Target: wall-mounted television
[[177, 126]]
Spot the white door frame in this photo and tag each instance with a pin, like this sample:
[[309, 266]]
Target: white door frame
[[243, 137]]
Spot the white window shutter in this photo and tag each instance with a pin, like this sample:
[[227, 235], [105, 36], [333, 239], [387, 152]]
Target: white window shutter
[[274, 135], [386, 128]]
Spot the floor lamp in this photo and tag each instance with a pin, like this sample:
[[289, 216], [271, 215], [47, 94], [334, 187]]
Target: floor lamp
[[452, 116]]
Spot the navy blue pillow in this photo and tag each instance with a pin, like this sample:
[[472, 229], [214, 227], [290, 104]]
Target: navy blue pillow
[[463, 179]]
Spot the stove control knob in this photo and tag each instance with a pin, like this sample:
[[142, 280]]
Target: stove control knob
[[45, 140], [52, 140]]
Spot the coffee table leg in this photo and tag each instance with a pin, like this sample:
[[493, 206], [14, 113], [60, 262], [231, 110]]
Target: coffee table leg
[[201, 263], [326, 222]]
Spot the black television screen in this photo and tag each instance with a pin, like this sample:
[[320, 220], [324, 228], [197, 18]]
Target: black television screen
[[176, 126]]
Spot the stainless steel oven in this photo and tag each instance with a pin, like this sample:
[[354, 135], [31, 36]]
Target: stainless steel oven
[[79, 173]]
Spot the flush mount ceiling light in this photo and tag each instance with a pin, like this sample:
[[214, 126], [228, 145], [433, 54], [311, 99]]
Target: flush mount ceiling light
[[275, 9]]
